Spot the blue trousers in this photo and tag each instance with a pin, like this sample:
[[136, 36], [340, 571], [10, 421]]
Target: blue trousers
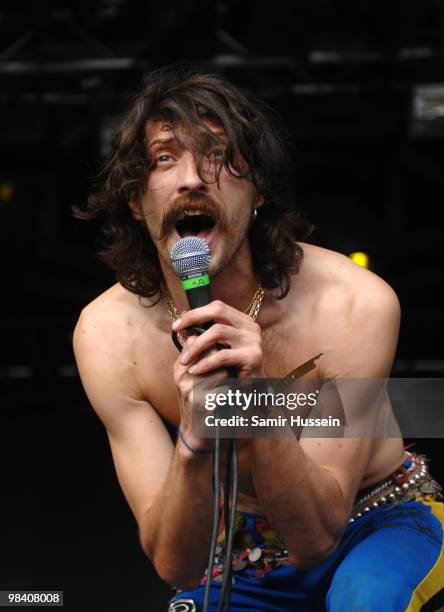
[[389, 560]]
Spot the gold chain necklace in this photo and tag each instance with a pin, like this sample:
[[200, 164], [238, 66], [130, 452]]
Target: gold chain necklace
[[252, 309]]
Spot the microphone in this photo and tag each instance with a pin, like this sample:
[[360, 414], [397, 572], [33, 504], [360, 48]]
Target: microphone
[[190, 258]]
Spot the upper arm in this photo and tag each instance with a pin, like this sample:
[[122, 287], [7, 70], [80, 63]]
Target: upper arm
[[359, 348], [140, 444]]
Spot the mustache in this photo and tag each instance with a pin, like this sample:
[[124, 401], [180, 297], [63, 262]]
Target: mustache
[[190, 201]]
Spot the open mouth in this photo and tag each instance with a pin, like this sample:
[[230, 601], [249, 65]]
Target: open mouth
[[195, 223]]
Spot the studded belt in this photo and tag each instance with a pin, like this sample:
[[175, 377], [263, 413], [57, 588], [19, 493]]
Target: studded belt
[[409, 481]]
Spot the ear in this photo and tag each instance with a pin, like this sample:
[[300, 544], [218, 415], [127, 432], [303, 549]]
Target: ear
[[260, 200], [136, 210]]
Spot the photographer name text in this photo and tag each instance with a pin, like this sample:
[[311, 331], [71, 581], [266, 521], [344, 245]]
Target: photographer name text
[[279, 421]]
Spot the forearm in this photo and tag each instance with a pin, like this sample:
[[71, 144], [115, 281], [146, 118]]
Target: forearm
[[176, 531], [303, 501]]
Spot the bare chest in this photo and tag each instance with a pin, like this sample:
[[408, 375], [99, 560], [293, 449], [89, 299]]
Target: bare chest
[[285, 349]]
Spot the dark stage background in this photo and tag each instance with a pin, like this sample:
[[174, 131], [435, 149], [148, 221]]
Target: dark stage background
[[359, 85]]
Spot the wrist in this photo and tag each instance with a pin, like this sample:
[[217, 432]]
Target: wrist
[[192, 447]]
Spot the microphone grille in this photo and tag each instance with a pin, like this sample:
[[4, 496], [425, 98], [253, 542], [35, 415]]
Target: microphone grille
[[190, 255]]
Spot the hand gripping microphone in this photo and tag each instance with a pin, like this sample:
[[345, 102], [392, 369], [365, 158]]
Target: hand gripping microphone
[[190, 258]]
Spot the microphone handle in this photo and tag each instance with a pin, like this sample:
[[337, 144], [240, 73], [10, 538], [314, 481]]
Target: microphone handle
[[198, 296]]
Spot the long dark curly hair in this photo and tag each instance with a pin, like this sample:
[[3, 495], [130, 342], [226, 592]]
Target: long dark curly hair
[[188, 98]]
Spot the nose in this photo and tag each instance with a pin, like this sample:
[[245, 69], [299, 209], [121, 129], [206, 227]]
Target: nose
[[189, 179]]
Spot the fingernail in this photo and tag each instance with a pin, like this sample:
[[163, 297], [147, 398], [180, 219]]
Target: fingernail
[[184, 357], [191, 370], [177, 323]]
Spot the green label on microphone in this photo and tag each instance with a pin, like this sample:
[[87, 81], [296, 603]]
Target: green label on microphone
[[197, 281]]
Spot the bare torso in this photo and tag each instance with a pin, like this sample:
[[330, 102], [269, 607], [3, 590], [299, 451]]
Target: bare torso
[[292, 334]]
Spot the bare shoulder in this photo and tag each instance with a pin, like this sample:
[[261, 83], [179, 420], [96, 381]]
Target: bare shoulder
[[341, 283], [354, 309], [116, 318], [114, 308]]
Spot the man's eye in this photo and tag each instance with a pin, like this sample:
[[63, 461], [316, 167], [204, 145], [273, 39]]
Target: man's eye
[[163, 158]]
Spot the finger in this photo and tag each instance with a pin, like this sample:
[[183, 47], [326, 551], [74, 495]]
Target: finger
[[181, 370], [218, 333], [245, 364], [189, 340], [178, 368], [195, 387], [215, 311]]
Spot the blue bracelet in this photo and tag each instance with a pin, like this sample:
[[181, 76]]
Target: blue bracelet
[[194, 450]]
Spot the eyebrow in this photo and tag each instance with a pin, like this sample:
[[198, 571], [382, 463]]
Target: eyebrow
[[219, 132], [161, 141]]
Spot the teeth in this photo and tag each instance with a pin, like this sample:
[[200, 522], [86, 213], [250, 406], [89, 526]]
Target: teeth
[[190, 213]]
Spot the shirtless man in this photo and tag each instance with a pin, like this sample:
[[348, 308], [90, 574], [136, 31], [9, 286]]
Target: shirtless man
[[193, 143]]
